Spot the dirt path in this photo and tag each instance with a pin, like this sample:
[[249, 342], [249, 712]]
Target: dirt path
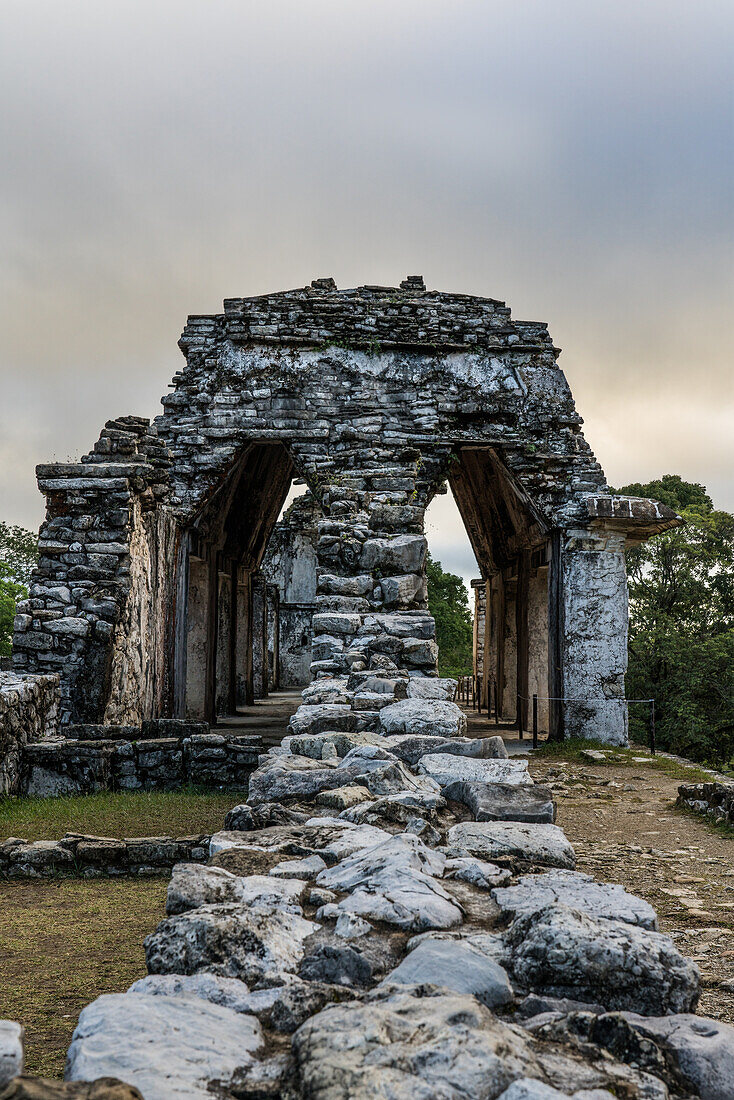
[[622, 821]]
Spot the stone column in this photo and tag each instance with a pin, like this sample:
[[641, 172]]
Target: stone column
[[197, 631], [594, 636], [538, 644]]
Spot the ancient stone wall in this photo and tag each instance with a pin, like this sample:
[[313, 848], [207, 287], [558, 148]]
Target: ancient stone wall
[[29, 711], [51, 768], [375, 397]]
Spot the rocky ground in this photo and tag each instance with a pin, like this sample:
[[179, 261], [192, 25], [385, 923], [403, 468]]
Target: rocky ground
[[623, 823], [393, 913]]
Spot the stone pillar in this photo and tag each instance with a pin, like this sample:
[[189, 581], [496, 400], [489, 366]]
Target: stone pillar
[[372, 597], [273, 628], [478, 636], [223, 644], [243, 661], [259, 637], [509, 664], [197, 631], [594, 638], [538, 644]]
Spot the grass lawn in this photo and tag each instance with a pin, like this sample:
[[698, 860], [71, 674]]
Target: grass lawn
[[118, 814], [63, 943]]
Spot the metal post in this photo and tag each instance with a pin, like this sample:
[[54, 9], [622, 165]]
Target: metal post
[[496, 704], [479, 696], [535, 720], [652, 726], [519, 716]]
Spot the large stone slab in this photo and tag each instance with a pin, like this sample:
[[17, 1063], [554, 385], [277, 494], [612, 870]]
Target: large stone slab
[[332, 838], [418, 1045], [544, 844], [447, 768], [393, 882], [411, 747], [170, 1048], [431, 687], [255, 943], [435, 717], [230, 993], [503, 801], [11, 1051], [703, 1049], [194, 884], [564, 953], [456, 966], [295, 777], [578, 891], [320, 717]]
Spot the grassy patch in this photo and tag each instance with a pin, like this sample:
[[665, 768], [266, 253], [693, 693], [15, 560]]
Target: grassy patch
[[63, 943], [572, 749], [119, 814]]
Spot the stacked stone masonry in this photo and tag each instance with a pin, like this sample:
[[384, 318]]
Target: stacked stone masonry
[[29, 711], [148, 584], [365, 929], [393, 910]]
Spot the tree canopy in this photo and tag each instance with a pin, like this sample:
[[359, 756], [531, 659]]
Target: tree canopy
[[681, 640], [449, 604], [18, 555]]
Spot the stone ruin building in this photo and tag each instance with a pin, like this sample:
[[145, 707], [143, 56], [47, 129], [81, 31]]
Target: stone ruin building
[[145, 599], [393, 910]]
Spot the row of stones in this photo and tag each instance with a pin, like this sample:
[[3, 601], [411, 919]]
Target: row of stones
[[404, 948], [53, 768], [714, 800], [94, 856], [371, 315]]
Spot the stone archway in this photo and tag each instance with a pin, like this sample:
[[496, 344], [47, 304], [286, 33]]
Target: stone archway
[[375, 396]]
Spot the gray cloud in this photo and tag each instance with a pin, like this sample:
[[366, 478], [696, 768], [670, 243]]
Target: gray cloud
[[574, 159]]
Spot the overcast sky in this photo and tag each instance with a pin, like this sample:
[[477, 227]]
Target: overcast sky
[[571, 157]]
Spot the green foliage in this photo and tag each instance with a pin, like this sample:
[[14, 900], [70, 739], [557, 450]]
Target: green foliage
[[449, 605], [681, 645], [18, 555]]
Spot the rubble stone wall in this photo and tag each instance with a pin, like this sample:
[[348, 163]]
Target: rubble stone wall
[[375, 396], [62, 767], [29, 711]]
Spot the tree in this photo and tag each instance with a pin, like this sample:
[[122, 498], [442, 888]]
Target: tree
[[681, 641], [449, 605], [18, 555]]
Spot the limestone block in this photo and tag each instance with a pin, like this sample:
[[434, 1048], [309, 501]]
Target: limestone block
[[12, 1042], [578, 891], [434, 717], [503, 802], [193, 885], [431, 687], [544, 844], [170, 1048], [703, 1049], [564, 953], [447, 768], [255, 943], [404, 590], [403, 553], [455, 966]]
